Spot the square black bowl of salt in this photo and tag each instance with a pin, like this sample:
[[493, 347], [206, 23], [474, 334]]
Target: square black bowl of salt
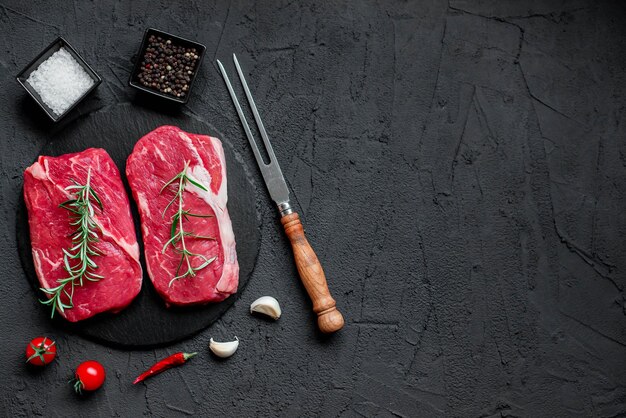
[[58, 79], [166, 65]]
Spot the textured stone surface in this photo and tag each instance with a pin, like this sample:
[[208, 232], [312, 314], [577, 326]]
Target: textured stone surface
[[461, 168]]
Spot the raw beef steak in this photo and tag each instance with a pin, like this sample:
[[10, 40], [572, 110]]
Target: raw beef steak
[[210, 271], [45, 184]]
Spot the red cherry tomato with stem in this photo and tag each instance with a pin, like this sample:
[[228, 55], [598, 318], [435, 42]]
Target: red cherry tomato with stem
[[89, 376], [41, 351]]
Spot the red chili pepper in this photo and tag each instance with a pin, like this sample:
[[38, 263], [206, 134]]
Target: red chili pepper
[[167, 363]]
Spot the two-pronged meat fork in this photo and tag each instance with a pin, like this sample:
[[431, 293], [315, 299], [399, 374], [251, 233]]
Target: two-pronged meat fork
[[310, 270]]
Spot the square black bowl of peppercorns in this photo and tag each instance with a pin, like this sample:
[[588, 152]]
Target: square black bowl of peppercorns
[[166, 65]]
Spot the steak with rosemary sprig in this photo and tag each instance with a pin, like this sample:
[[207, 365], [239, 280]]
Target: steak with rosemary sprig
[[178, 180], [82, 234]]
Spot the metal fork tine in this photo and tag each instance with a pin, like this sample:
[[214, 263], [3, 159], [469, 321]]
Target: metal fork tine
[[271, 172], [244, 122], [255, 112]]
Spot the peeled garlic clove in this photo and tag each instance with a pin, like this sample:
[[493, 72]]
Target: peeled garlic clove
[[224, 349], [266, 305]]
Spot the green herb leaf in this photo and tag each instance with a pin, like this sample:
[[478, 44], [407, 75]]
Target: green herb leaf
[[197, 215], [195, 183]]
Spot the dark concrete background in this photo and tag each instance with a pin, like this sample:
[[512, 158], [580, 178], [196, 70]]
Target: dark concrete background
[[461, 168]]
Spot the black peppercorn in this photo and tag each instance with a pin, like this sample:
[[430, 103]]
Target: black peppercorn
[[167, 67]]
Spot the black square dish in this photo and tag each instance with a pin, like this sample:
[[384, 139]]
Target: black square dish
[[158, 75], [58, 43]]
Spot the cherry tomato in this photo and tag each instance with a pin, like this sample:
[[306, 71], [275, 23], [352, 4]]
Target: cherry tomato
[[90, 376], [40, 351]]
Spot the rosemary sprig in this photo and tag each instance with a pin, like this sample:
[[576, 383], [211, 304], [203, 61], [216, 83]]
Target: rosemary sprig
[[178, 233], [77, 260]]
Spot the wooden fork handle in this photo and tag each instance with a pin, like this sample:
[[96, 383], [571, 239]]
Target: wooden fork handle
[[329, 319]]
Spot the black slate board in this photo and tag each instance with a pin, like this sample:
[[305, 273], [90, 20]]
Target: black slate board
[[146, 322]]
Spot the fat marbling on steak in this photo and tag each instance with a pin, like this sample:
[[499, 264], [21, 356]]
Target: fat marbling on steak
[[45, 185], [156, 159]]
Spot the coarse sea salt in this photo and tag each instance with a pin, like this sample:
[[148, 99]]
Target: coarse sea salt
[[60, 81]]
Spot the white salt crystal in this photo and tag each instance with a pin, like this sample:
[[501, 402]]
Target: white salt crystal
[[60, 81]]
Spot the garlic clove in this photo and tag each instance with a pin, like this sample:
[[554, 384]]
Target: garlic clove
[[223, 349], [266, 305]]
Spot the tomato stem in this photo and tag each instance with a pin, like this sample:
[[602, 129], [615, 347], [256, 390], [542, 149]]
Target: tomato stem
[[78, 386]]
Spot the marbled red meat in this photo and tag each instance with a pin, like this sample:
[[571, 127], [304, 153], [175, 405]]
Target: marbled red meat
[[157, 158], [50, 230]]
